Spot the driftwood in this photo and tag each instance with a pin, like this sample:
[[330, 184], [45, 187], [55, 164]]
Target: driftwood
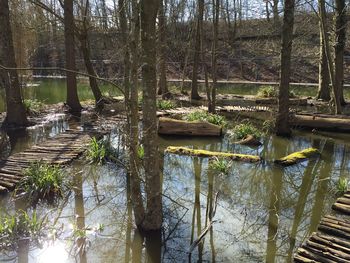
[[189, 128], [322, 122], [205, 153], [297, 157], [249, 140]]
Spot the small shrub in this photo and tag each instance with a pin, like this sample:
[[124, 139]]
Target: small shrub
[[33, 106], [100, 151], [14, 228], [267, 92], [42, 181], [342, 186], [220, 165], [165, 105], [241, 131], [207, 117]]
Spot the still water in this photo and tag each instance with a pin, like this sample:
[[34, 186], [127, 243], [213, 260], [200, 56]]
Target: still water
[[263, 211]]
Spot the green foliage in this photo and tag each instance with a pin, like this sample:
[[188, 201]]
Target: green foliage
[[272, 92], [220, 165], [33, 106], [207, 117], [140, 152], [268, 126], [100, 151], [342, 186], [165, 105], [14, 228], [267, 92], [42, 181], [241, 131]]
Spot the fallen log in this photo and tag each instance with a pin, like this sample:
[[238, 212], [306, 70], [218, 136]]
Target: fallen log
[[189, 128], [297, 157], [322, 122], [249, 140], [293, 101], [205, 153]]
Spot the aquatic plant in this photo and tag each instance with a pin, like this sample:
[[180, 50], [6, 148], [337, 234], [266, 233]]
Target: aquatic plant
[[342, 186], [220, 165], [267, 92], [33, 106], [41, 181], [207, 117], [165, 105], [241, 131], [100, 151], [20, 226]]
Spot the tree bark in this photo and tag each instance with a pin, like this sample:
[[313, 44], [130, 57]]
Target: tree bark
[[216, 13], [197, 47], [153, 219], [323, 92], [15, 113], [162, 83], [282, 121], [340, 40], [276, 18], [72, 93]]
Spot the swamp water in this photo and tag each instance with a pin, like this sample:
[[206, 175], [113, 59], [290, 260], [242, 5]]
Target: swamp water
[[263, 211]]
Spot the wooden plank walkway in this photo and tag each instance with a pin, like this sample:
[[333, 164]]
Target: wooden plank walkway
[[59, 150], [331, 243]]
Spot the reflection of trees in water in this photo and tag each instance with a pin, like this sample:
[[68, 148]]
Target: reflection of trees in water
[[5, 145]]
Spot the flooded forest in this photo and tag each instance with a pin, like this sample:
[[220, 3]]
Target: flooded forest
[[174, 131]]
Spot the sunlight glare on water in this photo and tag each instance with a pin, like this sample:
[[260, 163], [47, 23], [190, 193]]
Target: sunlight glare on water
[[55, 253]]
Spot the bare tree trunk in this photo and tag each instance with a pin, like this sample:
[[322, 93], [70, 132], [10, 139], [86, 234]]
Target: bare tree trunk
[[216, 12], [282, 121], [267, 10], [135, 181], [162, 83], [196, 55], [153, 220], [323, 73], [15, 113], [276, 18], [340, 37], [72, 93], [335, 93]]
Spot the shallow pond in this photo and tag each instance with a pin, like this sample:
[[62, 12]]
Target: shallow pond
[[263, 211]]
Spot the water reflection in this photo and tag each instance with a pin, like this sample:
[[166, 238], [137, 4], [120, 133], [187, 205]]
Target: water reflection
[[263, 211]]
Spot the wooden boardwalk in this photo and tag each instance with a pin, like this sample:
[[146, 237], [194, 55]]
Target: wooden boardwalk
[[61, 149], [331, 243]]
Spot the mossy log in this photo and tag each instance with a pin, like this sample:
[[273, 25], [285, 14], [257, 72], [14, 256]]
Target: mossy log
[[297, 157], [322, 122], [249, 140], [205, 153], [188, 128]]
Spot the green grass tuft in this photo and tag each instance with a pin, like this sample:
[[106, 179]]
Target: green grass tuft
[[33, 106], [220, 165], [241, 131], [272, 92], [42, 182], [165, 105], [21, 226], [207, 117], [342, 186], [100, 151]]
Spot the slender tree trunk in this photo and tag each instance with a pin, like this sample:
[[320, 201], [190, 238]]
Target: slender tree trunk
[[162, 83], [340, 37], [267, 10], [85, 50], [72, 93], [135, 181], [196, 55], [323, 73], [276, 18], [216, 12], [153, 220], [282, 121], [15, 113]]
